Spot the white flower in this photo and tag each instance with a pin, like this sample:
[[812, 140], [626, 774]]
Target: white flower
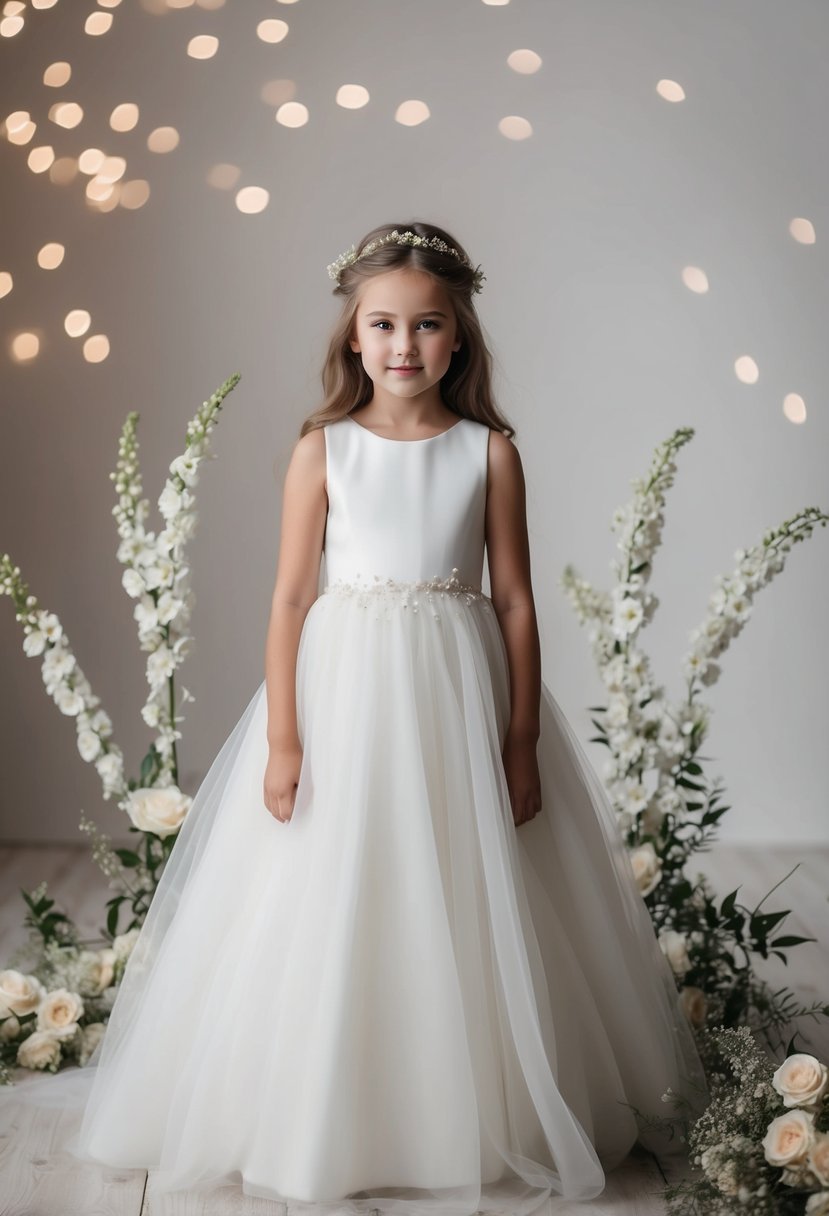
[[68, 700], [627, 618], [99, 967], [91, 1036], [49, 626], [675, 948], [647, 867], [817, 1205], [133, 583], [160, 665], [34, 643], [89, 744], [123, 944], [186, 467], [788, 1138], [801, 1080], [169, 501], [158, 809], [40, 1050], [818, 1160], [169, 606], [9, 1029], [59, 1011], [634, 795], [19, 993]]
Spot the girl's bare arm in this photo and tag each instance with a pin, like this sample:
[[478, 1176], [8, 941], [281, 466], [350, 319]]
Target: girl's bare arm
[[304, 507], [508, 556]]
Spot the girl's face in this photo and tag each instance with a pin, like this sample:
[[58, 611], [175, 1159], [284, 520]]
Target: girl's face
[[405, 317]]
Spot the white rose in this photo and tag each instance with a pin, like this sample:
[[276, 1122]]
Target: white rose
[[817, 1205], [91, 1036], [40, 1050], [788, 1138], [99, 967], [801, 1080], [647, 866], [818, 1159], [695, 1004], [160, 810], [9, 1029], [59, 1011], [675, 948], [19, 993]]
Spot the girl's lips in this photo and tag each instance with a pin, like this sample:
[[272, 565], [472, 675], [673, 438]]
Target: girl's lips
[[406, 370]]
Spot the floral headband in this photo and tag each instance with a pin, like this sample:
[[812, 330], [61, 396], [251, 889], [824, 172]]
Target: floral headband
[[351, 255]]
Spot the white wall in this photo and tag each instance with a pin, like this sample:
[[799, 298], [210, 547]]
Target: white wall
[[582, 230]]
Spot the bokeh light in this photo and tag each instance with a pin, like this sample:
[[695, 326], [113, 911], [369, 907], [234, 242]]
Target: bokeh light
[[746, 370]]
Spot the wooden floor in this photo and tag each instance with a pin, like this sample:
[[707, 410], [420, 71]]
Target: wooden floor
[[36, 1182]]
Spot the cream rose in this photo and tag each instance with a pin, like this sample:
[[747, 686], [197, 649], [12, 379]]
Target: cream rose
[[19, 993], [160, 810], [817, 1205], [647, 867], [801, 1080], [9, 1029], [99, 967], [695, 1004], [123, 944], [675, 948], [818, 1158], [40, 1050], [91, 1036], [59, 1011], [789, 1138]]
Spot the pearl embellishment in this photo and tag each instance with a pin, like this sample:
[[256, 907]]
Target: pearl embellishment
[[404, 594]]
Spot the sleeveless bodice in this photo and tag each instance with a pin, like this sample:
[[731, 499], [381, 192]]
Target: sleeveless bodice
[[405, 510]]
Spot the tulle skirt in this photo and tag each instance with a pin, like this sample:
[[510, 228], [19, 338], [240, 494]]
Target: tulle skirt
[[397, 1000]]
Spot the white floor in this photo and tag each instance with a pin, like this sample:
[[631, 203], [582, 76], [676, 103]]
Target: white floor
[[33, 1185]]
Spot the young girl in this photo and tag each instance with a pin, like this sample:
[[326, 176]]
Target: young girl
[[398, 959]]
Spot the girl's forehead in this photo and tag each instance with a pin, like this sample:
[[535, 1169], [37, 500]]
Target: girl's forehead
[[402, 290]]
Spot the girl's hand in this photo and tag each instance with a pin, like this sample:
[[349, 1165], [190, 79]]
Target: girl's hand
[[281, 780], [523, 780]]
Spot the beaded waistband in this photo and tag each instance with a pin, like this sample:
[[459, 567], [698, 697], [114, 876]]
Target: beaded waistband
[[409, 593]]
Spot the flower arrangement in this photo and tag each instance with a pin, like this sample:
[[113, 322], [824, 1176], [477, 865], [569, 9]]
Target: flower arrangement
[[762, 1144], [56, 1007], [667, 809]]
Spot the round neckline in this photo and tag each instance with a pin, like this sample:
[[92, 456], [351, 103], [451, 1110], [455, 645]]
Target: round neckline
[[387, 439]]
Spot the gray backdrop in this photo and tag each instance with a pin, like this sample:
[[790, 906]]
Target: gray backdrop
[[582, 229]]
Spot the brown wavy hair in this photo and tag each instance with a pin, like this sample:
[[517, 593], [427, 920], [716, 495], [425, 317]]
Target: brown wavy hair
[[465, 388]]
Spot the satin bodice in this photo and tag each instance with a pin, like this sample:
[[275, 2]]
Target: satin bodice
[[406, 510]]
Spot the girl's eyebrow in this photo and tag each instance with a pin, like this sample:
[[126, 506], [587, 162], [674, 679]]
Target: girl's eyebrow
[[431, 312]]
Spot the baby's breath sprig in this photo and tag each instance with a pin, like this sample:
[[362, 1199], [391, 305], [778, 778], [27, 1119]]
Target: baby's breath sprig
[[408, 237]]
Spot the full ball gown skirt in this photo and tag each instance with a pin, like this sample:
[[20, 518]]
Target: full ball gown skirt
[[397, 1000]]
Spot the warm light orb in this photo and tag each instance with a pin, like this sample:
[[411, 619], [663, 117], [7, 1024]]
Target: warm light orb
[[292, 114], [411, 113], [202, 46], [39, 159], [746, 369], [352, 96], [90, 160], [66, 113], [9, 26], [109, 3], [50, 256], [97, 23], [803, 231], [96, 348], [524, 61], [98, 191], [223, 176], [63, 171], [112, 168], [496, 3], [695, 279], [124, 117], [794, 408], [210, 5], [275, 92], [163, 139], [77, 322], [134, 193], [513, 126], [6, 283], [14, 8], [670, 90], [24, 346], [17, 121], [272, 30], [252, 199], [57, 74], [23, 134], [44, 3]]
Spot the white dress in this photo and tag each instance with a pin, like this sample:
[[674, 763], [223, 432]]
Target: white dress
[[397, 1000]]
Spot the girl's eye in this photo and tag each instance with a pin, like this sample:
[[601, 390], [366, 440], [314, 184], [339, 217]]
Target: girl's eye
[[426, 321]]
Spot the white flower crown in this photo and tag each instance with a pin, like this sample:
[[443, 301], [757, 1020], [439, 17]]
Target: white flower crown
[[408, 237]]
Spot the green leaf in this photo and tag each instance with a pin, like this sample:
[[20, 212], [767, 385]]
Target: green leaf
[[791, 941]]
